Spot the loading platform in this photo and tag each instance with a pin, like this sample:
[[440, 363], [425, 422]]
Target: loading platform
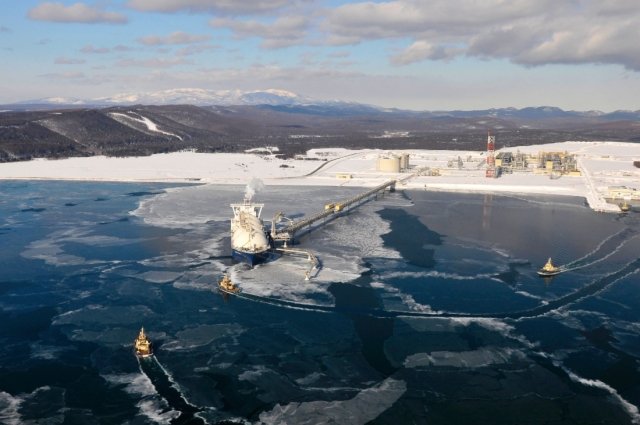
[[314, 263], [331, 210]]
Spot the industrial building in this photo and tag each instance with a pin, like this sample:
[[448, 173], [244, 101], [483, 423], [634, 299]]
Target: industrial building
[[491, 163], [558, 162], [508, 162], [622, 192]]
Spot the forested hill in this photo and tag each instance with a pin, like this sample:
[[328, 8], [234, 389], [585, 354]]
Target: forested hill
[[144, 130]]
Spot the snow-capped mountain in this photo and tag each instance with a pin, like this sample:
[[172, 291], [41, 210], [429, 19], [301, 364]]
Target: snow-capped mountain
[[200, 97], [273, 98], [187, 96], [287, 101]]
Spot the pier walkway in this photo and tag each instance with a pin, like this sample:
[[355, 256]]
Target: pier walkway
[[287, 233], [594, 199]]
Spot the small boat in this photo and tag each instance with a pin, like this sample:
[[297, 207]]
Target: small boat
[[549, 269], [142, 345], [625, 207], [226, 285]]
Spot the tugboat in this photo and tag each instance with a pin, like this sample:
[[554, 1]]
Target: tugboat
[[142, 345], [549, 269], [226, 285]]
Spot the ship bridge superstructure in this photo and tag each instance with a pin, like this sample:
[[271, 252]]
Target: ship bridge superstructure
[[247, 207]]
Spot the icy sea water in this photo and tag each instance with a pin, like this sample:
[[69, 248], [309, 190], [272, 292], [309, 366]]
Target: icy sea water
[[426, 310]]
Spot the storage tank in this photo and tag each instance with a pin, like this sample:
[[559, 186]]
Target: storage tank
[[404, 161], [389, 164], [549, 165]]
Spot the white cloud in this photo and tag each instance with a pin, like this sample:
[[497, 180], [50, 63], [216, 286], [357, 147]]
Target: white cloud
[[422, 50], [68, 61], [77, 12], [78, 79], [177, 37], [340, 54], [97, 50], [234, 7], [283, 32], [195, 49], [415, 18], [64, 75], [254, 77], [122, 48], [151, 63], [365, 21], [527, 32], [604, 43]]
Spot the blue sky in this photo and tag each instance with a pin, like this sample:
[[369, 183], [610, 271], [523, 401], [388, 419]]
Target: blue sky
[[414, 54]]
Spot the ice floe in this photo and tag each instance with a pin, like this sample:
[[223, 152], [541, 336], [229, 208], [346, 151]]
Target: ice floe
[[630, 408], [202, 335], [9, 409], [150, 403], [367, 405], [482, 357]]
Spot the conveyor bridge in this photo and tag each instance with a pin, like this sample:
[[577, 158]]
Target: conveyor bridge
[[287, 233]]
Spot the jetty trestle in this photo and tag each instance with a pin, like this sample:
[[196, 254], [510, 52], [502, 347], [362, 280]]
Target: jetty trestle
[[332, 209]]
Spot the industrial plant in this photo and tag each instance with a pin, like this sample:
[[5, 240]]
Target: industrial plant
[[491, 163]]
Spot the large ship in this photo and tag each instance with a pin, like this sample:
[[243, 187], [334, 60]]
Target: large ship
[[249, 242]]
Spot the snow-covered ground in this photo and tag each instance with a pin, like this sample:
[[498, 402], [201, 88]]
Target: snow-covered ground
[[603, 164]]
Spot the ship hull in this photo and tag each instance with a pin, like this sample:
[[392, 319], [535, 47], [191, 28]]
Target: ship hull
[[544, 273], [226, 291], [251, 258]]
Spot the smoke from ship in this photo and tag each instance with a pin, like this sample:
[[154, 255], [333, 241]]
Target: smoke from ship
[[253, 187]]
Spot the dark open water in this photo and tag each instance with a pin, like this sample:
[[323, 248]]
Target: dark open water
[[427, 310]]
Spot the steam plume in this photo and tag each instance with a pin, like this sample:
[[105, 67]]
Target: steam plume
[[254, 186]]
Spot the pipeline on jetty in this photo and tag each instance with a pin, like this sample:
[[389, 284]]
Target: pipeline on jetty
[[287, 233]]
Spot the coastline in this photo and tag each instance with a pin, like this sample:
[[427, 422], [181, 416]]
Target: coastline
[[602, 165]]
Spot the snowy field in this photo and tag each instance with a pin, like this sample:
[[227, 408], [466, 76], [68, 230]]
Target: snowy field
[[603, 164]]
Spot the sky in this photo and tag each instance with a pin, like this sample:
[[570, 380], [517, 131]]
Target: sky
[[410, 54]]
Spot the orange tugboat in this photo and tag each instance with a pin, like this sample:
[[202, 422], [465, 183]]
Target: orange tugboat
[[226, 285], [549, 269], [142, 345]]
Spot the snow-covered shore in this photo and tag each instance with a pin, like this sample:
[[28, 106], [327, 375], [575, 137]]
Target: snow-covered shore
[[603, 164]]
